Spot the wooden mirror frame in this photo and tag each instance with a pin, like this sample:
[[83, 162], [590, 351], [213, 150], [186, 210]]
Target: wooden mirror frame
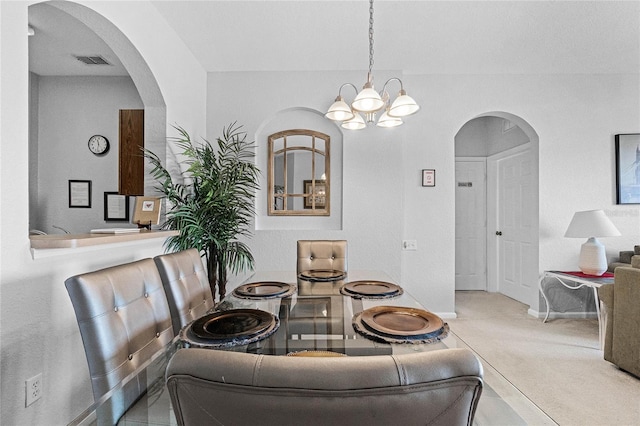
[[312, 205]]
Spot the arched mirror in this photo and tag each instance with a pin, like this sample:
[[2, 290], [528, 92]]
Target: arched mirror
[[298, 173]]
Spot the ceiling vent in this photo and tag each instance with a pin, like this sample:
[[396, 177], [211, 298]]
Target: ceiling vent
[[92, 60]]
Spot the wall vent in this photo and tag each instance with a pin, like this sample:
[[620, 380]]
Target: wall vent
[[92, 60]]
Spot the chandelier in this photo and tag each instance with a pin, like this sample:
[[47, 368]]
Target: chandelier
[[369, 102]]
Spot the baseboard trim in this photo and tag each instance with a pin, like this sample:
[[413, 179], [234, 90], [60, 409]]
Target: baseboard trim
[[566, 315], [447, 315]]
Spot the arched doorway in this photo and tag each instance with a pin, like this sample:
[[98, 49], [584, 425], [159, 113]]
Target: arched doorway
[[497, 206]]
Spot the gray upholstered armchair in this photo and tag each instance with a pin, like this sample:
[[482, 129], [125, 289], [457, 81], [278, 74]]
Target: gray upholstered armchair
[[439, 387], [622, 313]]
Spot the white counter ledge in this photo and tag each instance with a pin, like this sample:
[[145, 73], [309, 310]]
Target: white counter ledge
[[48, 245]]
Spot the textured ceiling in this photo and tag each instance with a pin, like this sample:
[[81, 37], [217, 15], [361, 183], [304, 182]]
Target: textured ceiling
[[417, 37], [58, 37]]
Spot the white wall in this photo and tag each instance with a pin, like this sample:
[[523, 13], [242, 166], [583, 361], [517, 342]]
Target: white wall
[[38, 330], [71, 110]]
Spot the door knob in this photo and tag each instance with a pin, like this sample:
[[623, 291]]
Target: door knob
[[498, 233]]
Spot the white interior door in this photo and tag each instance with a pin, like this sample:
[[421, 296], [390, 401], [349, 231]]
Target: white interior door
[[471, 224], [516, 228]]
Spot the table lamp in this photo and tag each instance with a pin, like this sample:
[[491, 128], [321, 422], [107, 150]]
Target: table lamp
[[591, 224]]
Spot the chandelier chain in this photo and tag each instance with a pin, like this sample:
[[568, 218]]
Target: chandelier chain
[[370, 35]]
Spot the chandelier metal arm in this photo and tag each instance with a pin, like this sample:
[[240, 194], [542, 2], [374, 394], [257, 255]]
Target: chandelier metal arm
[[347, 84], [384, 88]]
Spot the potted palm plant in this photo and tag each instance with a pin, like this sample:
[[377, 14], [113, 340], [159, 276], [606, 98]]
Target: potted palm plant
[[213, 204]]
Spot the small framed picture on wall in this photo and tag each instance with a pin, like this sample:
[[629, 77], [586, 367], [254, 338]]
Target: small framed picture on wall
[[116, 207], [428, 177], [80, 194]]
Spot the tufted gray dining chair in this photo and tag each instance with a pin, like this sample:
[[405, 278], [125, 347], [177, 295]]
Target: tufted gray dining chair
[[185, 281], [322, 254], [439, 387], [125, 323]]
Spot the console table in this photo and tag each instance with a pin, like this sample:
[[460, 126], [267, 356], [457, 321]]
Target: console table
[[579, 280]]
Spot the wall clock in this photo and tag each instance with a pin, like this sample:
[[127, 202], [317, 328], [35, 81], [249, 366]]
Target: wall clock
[[98, 144]]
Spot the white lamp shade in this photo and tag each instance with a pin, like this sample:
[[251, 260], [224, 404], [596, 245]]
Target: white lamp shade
[[368, 100], [356, 123], [403, 105], [339, 111], [591, 223], [387, 121]]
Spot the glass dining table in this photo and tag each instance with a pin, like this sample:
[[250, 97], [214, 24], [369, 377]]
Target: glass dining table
[[318, 316], [325, 318]]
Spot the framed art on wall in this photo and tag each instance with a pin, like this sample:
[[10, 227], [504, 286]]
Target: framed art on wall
[[116, 207], [628, 168], [428, 177], [80, 194]]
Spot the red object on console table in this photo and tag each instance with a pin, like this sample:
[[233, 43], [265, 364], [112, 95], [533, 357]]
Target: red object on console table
[[583, 275]]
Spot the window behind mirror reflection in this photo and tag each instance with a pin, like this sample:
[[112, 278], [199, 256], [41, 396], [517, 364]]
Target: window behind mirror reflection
[[299, 173]]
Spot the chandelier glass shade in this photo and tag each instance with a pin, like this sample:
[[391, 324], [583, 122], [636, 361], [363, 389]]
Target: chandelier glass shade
[[369, 102], [403, 105], [339, 110], [355, 123], [387, 120]]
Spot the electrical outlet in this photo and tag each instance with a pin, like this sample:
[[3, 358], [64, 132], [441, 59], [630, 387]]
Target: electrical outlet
[[409, 245], [33, 389]]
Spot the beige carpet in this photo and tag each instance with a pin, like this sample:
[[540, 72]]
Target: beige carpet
[[558, 365]]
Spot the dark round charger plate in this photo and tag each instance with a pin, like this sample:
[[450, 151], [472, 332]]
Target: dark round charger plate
[[264, 290], [397, 324], [322, 275], [233, 325], [371, 289]]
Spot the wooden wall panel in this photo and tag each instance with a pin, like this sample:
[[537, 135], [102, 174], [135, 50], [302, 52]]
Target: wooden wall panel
[[131, 158]]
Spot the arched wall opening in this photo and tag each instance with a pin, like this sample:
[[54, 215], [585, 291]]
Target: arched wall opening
[[486, 224], [144, 82]]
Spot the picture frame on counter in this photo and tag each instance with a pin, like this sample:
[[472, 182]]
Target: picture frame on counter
[[147, 211]]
